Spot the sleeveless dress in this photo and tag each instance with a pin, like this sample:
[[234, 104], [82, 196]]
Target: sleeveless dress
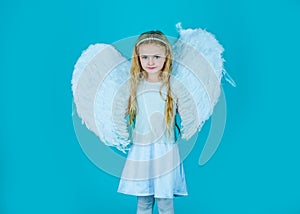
[[153, 165]]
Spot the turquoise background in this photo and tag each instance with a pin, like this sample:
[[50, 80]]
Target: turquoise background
[[44, 170]]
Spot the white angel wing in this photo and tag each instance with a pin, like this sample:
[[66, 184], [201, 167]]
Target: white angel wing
[[100, 91], [197, 72]]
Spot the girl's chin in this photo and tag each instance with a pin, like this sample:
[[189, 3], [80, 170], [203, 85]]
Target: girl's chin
[[152, 71]]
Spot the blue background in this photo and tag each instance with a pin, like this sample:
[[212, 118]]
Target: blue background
[[44, 170]]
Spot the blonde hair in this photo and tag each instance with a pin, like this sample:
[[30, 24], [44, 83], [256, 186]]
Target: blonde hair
[[137, 74]]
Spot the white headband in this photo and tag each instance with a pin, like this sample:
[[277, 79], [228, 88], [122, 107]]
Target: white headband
[[151, 38]]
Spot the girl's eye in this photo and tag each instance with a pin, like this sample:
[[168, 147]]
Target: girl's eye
[[144, 57], [156, 57]]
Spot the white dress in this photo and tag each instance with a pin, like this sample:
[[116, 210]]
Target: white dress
[[153, 165]]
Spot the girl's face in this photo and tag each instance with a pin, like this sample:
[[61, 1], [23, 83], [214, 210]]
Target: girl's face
[[152, 58]]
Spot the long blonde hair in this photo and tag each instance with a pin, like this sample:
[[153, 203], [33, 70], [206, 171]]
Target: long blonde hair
[[137, 74]]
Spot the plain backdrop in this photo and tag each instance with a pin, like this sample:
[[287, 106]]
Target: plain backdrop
[[42, 166]]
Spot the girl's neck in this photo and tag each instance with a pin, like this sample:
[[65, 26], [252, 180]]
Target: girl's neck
[[153, 78]]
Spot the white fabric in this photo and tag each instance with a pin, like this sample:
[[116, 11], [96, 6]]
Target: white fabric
[[146, 203], [153, 165]]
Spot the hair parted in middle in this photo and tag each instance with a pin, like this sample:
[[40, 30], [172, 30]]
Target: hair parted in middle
[[137, 74]]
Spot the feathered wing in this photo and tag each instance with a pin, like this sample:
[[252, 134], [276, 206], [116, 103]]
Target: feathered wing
[[100, 86], [196, 77]]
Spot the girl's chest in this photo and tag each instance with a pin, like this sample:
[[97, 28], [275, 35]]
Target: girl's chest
[[151, 102], [150, 99]]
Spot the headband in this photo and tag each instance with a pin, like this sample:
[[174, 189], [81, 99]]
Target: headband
[[151, 38]]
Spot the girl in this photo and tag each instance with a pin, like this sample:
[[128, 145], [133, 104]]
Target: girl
[[103, 96], [153, 169]]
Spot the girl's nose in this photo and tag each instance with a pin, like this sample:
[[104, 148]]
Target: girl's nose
[[150, 61]]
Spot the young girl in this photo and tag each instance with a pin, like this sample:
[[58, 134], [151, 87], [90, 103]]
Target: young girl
[[152, 169], [106, 89]]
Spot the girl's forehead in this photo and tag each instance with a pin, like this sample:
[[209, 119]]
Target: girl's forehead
[[151, 49]]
